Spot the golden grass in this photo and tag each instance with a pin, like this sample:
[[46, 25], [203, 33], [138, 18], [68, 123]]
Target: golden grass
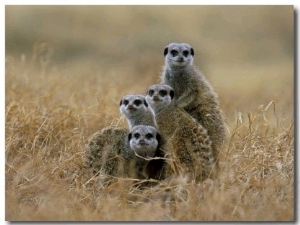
[[52, 109], [49, 119]]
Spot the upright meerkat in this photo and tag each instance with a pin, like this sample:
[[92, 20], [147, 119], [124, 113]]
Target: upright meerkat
[[188, 142], [193, 92], [136, 110]]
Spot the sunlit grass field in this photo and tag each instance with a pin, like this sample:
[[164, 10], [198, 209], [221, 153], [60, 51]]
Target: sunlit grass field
[[66, 69]]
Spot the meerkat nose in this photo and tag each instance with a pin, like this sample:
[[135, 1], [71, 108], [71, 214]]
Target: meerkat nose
[[130, 107], [155, 98], [142, 142]]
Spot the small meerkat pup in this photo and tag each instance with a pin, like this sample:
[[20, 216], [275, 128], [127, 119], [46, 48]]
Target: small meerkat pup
[[188, 142], [193, 92], [136, 110]]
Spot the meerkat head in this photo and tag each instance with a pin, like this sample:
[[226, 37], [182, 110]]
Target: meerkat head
[[159, 96], [144, 140], [132, 105], [178, 55]]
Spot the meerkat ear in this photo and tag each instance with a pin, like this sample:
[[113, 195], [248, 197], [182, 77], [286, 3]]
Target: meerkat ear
[[121, 102], [172, 94], [158, 137], [129, 136], [166, 51], [192, 51], [145, 103]]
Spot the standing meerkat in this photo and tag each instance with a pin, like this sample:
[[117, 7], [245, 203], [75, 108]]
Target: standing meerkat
[[136, 110], [188, 142], [193, 92]]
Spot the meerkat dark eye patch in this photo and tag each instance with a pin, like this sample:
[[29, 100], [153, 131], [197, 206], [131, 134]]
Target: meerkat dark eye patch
[[174, 53], [163, 93], [125, 102], [151, 92], [185, 53], [137, 102], [136, 135], [149, 136]]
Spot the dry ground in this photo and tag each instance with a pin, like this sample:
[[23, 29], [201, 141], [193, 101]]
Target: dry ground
[[56, 99]]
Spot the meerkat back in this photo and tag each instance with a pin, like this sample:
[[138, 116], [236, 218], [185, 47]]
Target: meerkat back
[[103, 150]]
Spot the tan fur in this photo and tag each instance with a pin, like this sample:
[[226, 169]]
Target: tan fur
[[103, 151]]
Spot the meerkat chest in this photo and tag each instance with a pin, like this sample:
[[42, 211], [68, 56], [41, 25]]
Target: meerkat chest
[[179, 81]]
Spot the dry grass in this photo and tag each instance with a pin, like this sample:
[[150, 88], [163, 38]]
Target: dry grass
[[51, 110]]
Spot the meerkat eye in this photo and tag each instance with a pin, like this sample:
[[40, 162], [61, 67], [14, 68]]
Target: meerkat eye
[[185, 53], [137, 102], [136, 135], [125, 102], [162, 93], [151, 92], [149, 136], [174, 53]]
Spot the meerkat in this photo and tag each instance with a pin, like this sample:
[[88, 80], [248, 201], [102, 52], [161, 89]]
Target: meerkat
[[188, 141], [193, 92], [143, 149], [136, 110]]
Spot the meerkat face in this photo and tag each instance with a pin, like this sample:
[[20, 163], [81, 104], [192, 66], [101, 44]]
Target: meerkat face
[[144, 140], [178, 55], [130, 105], [159, 96]]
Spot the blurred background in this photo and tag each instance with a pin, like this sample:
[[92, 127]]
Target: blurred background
[[246, 52]]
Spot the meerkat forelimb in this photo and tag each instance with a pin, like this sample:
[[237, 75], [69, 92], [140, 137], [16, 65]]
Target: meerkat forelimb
[[188, 141], [136, 110], [193, 92]]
